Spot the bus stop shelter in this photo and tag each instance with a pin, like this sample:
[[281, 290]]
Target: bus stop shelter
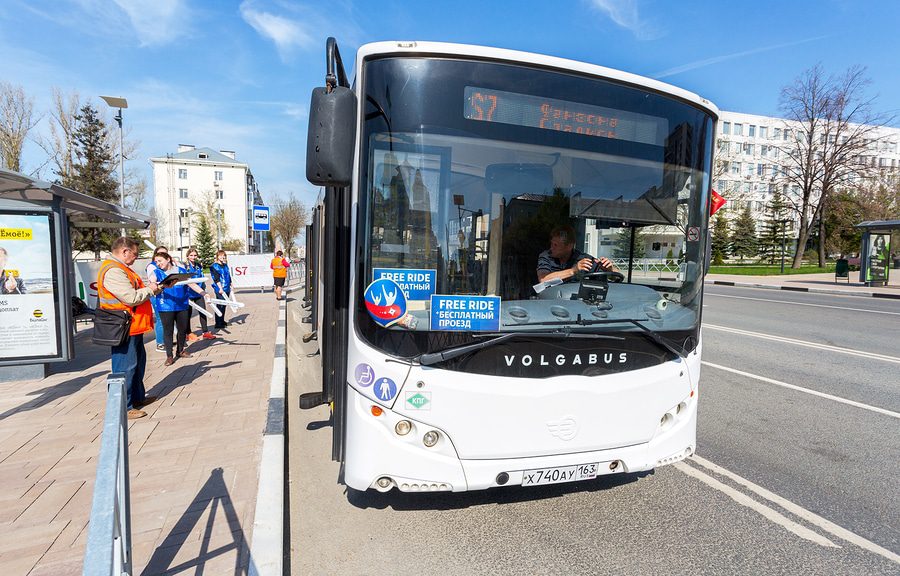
[[37, 275], [876, 257]]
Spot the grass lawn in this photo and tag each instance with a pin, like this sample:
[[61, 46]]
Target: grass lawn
[[766, 270]]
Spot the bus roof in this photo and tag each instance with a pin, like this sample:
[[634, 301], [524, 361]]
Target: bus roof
[[412, 48]]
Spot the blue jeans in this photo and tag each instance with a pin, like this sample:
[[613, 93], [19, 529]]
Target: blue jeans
[[158, 327], [131, 359]]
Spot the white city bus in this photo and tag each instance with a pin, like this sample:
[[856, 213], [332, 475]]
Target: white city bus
[[448, 365]]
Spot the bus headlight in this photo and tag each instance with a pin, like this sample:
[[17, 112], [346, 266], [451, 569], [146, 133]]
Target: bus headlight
[[430, 438], [403, 427]]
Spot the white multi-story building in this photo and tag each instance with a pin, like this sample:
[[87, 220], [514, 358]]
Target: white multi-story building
[[750, 158], [183, 181]]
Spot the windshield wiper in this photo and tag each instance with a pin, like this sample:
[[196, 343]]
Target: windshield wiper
[[636, 321], [430, 358], [657, 338]]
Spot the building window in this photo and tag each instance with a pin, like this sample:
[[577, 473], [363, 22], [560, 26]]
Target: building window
[[763, 132], [776, 133], [217, 175], [752, 132], [726, 127], [738, 129], [760, 169], [185, 231], [736, 149], [182, 193], [748, 149], [736, 168], [184, 212], [182, 173], [220, 194]]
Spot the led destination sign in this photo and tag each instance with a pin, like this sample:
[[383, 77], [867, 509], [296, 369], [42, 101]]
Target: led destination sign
[[563, 116]]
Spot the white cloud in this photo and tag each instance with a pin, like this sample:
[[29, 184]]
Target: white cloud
[[158, 22], [625, 14], [732, 56], [286, 33]]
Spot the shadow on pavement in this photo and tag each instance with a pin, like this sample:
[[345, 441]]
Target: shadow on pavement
[[51, 393], [213, 495], [184, 375]]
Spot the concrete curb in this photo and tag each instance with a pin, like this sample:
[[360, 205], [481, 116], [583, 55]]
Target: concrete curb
[[267, 545], [804, 289]]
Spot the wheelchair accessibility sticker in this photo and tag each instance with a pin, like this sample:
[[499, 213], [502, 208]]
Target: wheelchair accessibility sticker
[[385, 302], [364, 375]]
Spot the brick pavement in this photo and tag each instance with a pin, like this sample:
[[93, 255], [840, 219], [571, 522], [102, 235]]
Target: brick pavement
[[194, 460]]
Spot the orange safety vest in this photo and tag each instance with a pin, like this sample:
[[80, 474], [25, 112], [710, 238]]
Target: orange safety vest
[[141, 315], [278, 269]]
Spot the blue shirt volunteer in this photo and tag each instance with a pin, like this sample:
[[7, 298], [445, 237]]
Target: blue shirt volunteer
[[220, 275], [171, 299]]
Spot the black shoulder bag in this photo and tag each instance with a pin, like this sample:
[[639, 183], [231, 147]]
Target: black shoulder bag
[[111, 327]]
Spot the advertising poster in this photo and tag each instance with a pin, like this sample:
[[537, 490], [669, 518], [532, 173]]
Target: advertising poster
[[28, 323], [879, 258]]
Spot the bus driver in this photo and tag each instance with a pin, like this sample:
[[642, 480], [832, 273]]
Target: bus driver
[[563, 260]]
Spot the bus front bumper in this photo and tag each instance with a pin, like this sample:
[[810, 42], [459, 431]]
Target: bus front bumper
[[380, 458]]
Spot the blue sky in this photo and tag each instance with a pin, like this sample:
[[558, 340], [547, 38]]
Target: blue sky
[[236, 75]]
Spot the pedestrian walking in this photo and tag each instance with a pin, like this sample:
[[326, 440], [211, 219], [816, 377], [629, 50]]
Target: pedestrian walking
[[197, 295], [221, 277], [279, 268], [121, 288], [172, 304]]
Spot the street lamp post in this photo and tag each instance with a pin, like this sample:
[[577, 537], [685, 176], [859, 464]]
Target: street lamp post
[[120, 103]]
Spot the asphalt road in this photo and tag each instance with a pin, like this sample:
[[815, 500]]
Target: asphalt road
[[797, 468]]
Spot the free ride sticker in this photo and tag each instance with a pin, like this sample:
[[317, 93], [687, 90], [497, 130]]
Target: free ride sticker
[[416, 284], [385, 302], [468, 313]]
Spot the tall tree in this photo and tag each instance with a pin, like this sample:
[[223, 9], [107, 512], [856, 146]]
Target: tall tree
[[743, 234], [830, 123], [622, 245], [206, 244], [773, 228], [720, 239], [62, 134], [16, 120], [287, 221], [93, 174]]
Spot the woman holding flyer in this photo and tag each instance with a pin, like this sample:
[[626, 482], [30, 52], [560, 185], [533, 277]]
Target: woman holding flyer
[[221, 277], [172, 305], [198, 295]]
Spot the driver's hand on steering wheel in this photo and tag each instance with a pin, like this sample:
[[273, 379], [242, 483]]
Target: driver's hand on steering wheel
[[584, 265], [606, 264]]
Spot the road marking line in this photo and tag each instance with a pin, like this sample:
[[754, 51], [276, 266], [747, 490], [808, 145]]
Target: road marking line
[[744, 500], [806, 390], [803, 513], [827, 347], [803, 304]]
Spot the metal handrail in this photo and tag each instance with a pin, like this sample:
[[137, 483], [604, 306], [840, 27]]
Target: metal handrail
[[109, 532]]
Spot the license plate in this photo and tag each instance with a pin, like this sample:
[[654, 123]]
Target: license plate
[[559, 475]]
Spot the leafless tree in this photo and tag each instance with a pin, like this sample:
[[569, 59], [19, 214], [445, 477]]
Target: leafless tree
[[206, 206], [287, 221], [831, 124], [16, 121], [62, 134]]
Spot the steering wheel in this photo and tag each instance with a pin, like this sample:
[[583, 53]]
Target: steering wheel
[[607, 275]]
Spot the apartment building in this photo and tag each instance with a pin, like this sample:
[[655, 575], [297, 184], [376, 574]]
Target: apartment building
[[750, 158], [183, 181]]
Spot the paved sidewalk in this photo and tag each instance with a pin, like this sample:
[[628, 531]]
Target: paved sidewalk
[[822, 283], [194, 459]]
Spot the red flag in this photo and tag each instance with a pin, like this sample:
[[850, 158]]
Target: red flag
[[715, 203]]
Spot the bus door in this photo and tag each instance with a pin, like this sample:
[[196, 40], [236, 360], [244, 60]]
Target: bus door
[[329, 163]]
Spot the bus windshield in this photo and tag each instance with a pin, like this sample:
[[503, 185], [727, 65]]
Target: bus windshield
[[479, 180]]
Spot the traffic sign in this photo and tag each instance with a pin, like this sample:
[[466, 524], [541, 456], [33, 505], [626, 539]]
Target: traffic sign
[[261, 218]]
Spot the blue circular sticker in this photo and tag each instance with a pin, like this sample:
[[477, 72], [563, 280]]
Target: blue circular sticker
[[385, 302], [365, 375], [385, 389]]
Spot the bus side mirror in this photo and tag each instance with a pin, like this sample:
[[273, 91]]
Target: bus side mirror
[[331, 137]]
